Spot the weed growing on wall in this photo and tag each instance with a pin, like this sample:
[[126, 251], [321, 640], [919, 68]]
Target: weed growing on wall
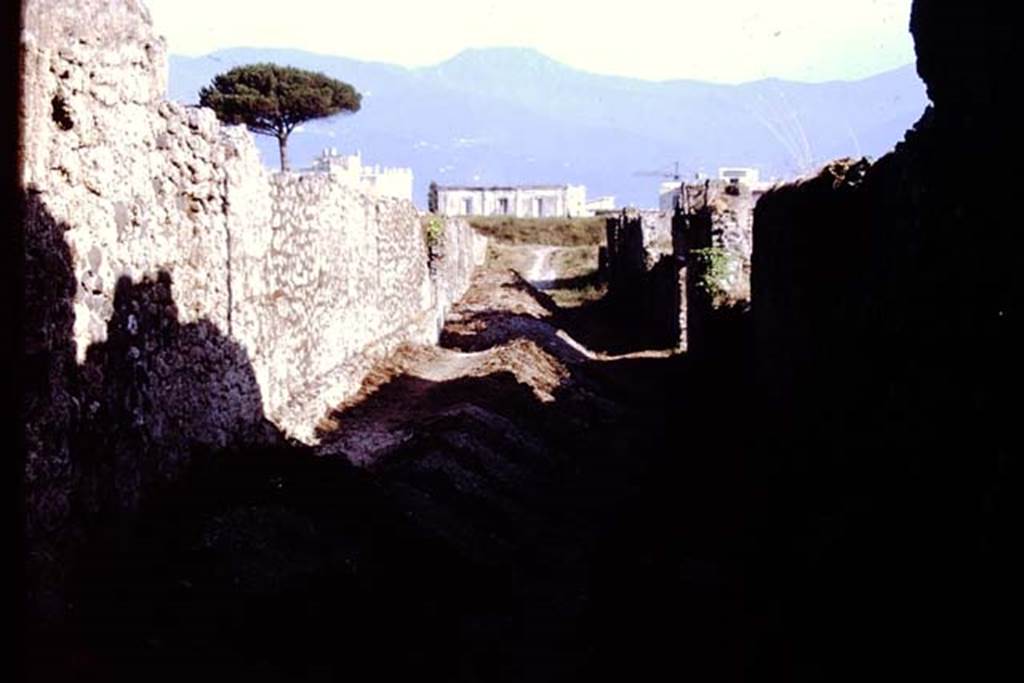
[[713, 265], [433, 235], [433, 231]]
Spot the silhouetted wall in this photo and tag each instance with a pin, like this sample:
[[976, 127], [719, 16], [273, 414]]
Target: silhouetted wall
[[11, 248], [886, 299], [644, 276], [685, 276], [712, 238], [808, 278]]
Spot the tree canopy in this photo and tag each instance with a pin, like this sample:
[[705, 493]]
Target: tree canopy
[[272, 100]]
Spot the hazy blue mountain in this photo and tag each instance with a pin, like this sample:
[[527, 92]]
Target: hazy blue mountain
[[513, 115]]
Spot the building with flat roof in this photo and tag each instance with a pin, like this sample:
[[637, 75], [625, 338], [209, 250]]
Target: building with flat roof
[[519, 201], [599, 204], [376, 180], [670, 191], [751, 177]]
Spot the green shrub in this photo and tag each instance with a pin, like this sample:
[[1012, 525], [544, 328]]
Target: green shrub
[[713, 268], [433, 232]]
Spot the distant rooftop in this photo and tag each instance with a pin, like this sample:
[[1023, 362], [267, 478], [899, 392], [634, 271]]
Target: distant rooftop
[[506, 188]]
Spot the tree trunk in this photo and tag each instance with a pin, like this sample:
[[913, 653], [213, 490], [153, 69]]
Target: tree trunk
[[282, 146]]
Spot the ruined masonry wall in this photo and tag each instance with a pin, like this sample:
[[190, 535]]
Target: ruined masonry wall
[[645, 277], [886, 308], [338, 279], [677, 271], [178, 297], [720, 216], [637, 241], [713, 236]]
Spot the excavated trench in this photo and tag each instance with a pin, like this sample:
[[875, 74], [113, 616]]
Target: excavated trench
[[542, 498], [512, 505]]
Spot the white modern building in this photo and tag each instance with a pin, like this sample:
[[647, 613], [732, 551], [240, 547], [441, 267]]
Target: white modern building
[[375, 180], [669, 193], [751, 177], [592, 206], [521, 201]]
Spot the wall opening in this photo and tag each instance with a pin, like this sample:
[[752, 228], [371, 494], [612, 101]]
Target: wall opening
[[61, 113]]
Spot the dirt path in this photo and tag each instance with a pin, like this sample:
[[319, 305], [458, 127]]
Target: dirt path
[[503, 326], [542, 269], [486, 441], [500, 327]]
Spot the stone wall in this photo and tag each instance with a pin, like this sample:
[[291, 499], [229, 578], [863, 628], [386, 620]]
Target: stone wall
[[645, 277], [809, 277], [683, 274], [636, 241], [886, 303], [180, 300], [331, 282], [124, 200], [712, 235]]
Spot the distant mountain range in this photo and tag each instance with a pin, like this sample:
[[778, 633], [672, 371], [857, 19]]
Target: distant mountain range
[[512, 115]]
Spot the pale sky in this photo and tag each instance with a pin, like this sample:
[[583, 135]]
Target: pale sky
[[725, 41]]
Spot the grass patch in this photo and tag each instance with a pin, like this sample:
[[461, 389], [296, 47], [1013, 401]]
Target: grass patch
[[587, 289], [556, 232], [504, 256], [571, 262], [578, 280]]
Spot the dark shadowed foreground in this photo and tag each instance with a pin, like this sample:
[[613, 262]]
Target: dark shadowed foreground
[[827, 494], [519, 515]]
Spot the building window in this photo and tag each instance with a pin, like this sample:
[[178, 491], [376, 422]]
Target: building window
[[503, 206], [467, 206]]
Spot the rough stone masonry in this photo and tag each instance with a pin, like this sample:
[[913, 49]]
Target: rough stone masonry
[[179, 297], [678, 273]]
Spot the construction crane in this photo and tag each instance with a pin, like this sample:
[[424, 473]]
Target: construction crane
[[661, 173], [670, 193]]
